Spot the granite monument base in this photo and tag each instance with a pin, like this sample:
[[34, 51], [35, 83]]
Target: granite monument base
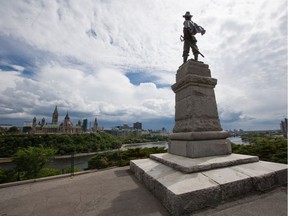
[[205, 182]]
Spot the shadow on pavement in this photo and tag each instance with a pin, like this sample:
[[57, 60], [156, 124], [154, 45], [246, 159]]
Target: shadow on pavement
[[138, 201]]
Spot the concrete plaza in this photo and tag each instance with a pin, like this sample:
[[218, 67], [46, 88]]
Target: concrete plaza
[[117, 192]]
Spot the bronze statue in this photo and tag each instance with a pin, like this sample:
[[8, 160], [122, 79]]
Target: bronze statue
[[189, 30]]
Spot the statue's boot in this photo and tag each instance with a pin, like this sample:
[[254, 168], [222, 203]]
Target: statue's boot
[[185, 59], [196, 57]]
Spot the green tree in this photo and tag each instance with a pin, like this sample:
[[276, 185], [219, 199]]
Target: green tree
[[13, 130], [31, 160], [267, 149], [121, 158], [98, 162]]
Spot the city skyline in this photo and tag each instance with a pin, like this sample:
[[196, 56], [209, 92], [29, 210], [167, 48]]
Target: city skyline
[[38, 120], [91, 121], [98, 60]]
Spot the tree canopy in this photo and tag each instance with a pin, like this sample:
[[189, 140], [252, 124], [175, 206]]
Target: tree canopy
[[31, 160]]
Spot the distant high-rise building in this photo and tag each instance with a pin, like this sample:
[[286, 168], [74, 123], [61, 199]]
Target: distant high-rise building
[[43, 122], [125, 126], [85, 124], [55, 116], [34, 123], [137, 125], [95, 125], [283, 127]]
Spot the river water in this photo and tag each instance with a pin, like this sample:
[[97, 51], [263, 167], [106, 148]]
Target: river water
[[145, 145], [238, 140]]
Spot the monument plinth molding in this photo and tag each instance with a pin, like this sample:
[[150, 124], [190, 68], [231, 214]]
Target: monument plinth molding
[[197, 131]]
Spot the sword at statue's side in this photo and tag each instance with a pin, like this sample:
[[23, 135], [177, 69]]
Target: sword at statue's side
[[182, 39]]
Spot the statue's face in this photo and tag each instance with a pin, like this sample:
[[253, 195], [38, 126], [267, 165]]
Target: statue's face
[[187, 18]]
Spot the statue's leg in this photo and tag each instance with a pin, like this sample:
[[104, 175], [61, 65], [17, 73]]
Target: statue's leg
[[186, 48], [195, 52], [194, 48]]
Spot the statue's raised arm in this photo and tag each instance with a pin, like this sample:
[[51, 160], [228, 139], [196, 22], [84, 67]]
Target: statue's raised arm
[[190, 29]]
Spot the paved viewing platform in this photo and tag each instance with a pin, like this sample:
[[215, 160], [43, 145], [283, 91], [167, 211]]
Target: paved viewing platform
[[118, 192]]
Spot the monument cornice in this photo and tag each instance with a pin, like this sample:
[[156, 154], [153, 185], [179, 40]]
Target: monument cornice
[[203, 135], [194, 80]]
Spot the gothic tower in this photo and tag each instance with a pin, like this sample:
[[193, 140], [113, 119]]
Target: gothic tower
[[67, 126], [55, 116]]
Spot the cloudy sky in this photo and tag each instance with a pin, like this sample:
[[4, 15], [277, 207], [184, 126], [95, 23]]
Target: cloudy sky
[[116, 60]]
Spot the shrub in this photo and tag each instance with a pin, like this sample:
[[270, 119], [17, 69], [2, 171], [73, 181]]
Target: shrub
[[274, 150], [121, 158], [69, 170], [98, 162], [7, 176], [45, 172]]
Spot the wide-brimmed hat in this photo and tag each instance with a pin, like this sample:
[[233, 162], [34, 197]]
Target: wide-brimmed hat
[[187, 14]]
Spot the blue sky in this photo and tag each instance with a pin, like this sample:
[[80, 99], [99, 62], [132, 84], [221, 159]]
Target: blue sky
[[116, 60]]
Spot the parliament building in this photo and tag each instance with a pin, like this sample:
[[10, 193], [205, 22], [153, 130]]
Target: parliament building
[[65, 127]]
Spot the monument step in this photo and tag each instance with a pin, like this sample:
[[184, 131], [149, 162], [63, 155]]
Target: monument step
[[190, 165], [184, 193]]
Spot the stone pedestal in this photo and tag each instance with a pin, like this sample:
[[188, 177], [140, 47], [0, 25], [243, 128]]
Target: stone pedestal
[[197, 131], [199, 170]]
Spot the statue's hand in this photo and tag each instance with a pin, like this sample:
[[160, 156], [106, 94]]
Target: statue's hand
[[203, 32]]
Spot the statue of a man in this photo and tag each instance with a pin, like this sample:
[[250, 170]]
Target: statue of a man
[[189, 30]]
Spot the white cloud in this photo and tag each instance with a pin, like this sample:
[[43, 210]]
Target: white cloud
[[106, 93], [79, 54], [8, 79]]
